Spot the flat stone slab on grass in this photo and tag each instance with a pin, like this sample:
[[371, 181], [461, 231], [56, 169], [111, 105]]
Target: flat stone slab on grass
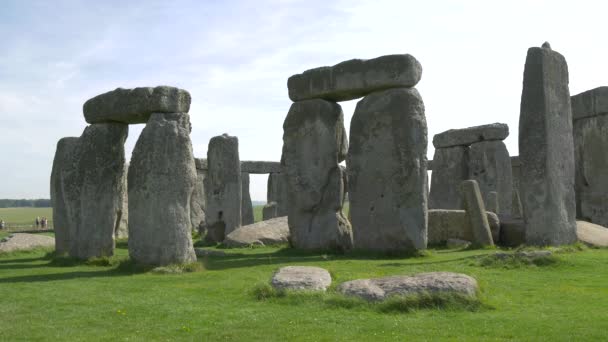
[[592, 234], [301, 278], [22, 241], [270, 232], [433, 283], [355, 78], [470, 135], [133, 106]]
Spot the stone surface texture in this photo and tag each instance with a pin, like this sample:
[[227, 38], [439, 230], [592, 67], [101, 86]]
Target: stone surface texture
[[546, 150], [355, 78], [198, 202], [314, 142], [260, 167], [439, 283], [246, 205], [270, 211], [475, 213], [451, 224], [223, 187], [470, 135], [133, 106], [276, 191], [490, 166], [590, 103], [450, 168], [300, 278], [64, 190], [162, 176], [387, 171], [265, 233]]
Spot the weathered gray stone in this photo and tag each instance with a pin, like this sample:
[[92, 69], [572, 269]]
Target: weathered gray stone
[[546, 150], [63, 186], [122, 229], [592, 234], [277, 192], [299, 278], [314, 143], [162, 176], [492, 202], [246, 205], [590, 103], [260, 167], [355, 78], [133, 106], [470, 135], [591, 156], [457, 243], [198, 202], [450, 168], [100, 168], [387, 171], [434, 283], [490, 166], [475, 213], [451, 224], [265, 233], [201, 164], [223, 187], [269, 211], [517, 210]]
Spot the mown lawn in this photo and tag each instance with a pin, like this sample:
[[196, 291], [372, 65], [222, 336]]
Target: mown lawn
[[25, 216], [40, 300]]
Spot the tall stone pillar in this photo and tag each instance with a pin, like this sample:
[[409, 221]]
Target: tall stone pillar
[[546, 150], [277, 192], [246, 205]]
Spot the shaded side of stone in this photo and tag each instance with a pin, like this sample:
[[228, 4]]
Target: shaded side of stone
[[451, 224], [246, 205], [450, 168], [269, 211], [198, 202], [475, 213], [546, 150], [277, 192], [590, 103], [387, 171]]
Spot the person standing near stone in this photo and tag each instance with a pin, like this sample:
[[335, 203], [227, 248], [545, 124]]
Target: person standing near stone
[[546, 150]]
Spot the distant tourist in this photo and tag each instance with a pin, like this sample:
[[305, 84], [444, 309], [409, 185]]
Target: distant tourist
[[43, 223], [1, 224], [37, 221]]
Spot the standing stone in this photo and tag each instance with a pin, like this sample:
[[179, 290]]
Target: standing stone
[[122, 229], [223, 187], [101, 170], [590, 111], [490, 166], [246, 205], [450, 168], [269, 211], [517, 210], [197, 202], [314, 142], [547, 150], [492, 203], [475, 213], [277, 192], [387, 171], [61, 185], [162, 175]]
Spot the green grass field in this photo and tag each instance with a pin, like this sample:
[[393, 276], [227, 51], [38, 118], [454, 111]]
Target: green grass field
[[42, 300], [24, 215]]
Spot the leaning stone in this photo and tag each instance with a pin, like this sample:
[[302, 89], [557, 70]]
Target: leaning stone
[[162, 176], [546, 150], [133, 106], [490, 166], [265, 233], [223, 187], [246, 205], [306, 278], [313, 146], [590, 103], [446, 224], [475, 213], [62, 184], [277, 192], [24, 242], [450, 168], [269, 211], [387, 171], [457, 243], [355, 78], [592, 234], [260, 167], [470, 135], [591, 185], [434, 283]]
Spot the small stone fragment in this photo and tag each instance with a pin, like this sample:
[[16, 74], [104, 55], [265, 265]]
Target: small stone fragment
[[306, 278]]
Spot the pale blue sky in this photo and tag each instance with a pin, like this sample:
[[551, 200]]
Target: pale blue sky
[[235, 57]]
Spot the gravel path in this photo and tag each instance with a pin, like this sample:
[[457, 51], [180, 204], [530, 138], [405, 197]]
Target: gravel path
[[21, 241]]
